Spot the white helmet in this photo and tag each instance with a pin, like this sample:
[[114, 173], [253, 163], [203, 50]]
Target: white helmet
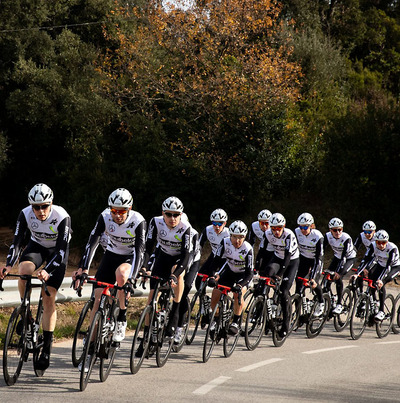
[[369, 226], [219, 215], [39, 194], [335, 223], [277, 220], [172, 204], [264, 215], [238, 228], [305, 219], [381, 235], [120, 198]]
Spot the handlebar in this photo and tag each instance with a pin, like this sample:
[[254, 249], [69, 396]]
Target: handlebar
[[27, 277]]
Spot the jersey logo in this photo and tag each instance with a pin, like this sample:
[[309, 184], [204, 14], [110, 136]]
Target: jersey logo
[[163, 233], [131, 225], [52, 229], [111, 228], [130, 233], [35, 225], [54, 222], [177, 237]]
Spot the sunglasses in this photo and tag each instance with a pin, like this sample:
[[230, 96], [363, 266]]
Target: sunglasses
[[380, 242], [169, 215], [38, 207], [304, 227], [368, 232], [276, 228], [118, 211], [263, 222], [337, 229], [217, 223]]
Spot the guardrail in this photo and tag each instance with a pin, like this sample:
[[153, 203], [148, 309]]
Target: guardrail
[[10, 296]]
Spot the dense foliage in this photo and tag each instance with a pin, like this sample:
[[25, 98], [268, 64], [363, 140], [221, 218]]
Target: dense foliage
[[241, 104]]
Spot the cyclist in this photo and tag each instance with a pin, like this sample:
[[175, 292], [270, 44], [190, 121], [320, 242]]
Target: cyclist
[[311, 249], [257, 231], [383, 263], [214, 234], [344, 256], [232, 267], [284, 264], [50, 233], [125, 231], [172, 235]]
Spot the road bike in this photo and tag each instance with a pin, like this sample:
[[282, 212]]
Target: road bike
[[365, 309], [304, 305], [99, 343], [152, 339], [24, 334]]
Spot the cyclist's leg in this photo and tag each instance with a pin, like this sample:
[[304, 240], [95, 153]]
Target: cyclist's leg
[[287, 280], [304, 268], [339, 283], [32, 258], [205, 269], [188, 282]]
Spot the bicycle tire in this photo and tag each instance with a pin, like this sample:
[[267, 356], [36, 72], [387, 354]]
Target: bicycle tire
[[211, 335], [164, 344], [277, 323], [295, 301], [341, 321], [230, 341], [315, 324], [255, 323], [196, 308], [15, 348], [109, 347], [396, 318], [383, 327], [140, 334], [359, 317], [185, 328], [94, 334], [37, 347], [80, 333]]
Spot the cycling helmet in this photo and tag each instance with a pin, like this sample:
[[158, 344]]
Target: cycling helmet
[[238, 228], [172, 204], [335, 223], [39, 194], [305, 219], [277, 220], [264, 215], [120, 198], [369, 226], [381, 235], [219, 215]]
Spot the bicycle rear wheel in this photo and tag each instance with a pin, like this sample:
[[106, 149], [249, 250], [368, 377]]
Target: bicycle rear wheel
[[359, 317], [164, 344], [141, 338], [81, 330], [196, 313], [211, 334], [15, 349], [185, 327], [341, 320], [90, 350], [37, 347], [255, 323], [315, 324], [383, 327], [230, 341]]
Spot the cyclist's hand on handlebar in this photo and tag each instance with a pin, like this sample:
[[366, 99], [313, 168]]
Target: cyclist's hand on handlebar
[[379, 283], [336, 276], [212, 282], [313, 283], [236, 288], [173, 280], [4, 271], [43, 275]]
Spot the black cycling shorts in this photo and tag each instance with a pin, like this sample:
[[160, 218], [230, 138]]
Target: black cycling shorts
[[108, 266]]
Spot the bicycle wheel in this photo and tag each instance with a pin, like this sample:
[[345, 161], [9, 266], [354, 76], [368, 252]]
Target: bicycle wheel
[[164, 344], [341, 320], [359, 317], [230, 341], [211, 334], [277, 323], [295, 301], [177, 346], [196, 313], [141, 338], [81, 330], [315, 324], [255, 323], [383, 327], [38, 345], [396, 317], [15, 349], [90, 350], [108, 348]]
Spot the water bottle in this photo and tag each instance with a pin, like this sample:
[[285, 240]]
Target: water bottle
[[274, 309], [35, 331], [269, 308]]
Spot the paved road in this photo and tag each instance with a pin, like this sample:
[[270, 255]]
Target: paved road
[[330, 368]]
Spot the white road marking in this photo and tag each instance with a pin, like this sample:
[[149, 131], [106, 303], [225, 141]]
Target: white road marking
[[202, 390], [258, 365], [323, 350], [388, 342]]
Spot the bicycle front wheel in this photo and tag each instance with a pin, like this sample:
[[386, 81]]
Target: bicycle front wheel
[[140, 343], [255, 323], [211, 334], [177, 346], [383, 327], [230, 340], [164, 344], [15, 349], [90, 350], [340, 321], [196, 308], [37, 347], [359, 317], [295, 301], [278, 324], [80, 334], [396, 317], [315, 324]]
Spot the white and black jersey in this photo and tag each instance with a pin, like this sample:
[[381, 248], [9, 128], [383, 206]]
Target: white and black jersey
[[362, 240], [311, 245], [285, 245], [212, 237], [342, 247]]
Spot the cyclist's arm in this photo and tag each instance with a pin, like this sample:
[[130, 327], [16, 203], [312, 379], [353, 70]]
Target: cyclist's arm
[[151, 239], [388, 265], [203, 238], [358, 242], [251, 237], [183, 262], [369, 254], [218, 261], [140, 244], [248, 272], [19, 236], [317, 259], [343, 259], [287, 256]]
